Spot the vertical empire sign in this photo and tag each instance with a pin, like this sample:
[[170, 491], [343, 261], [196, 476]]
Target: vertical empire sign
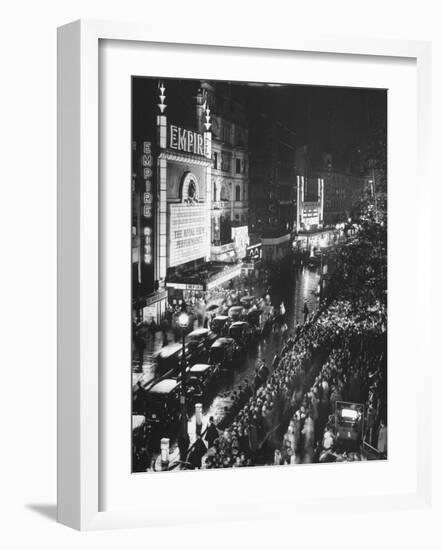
[[147, 164], [147, 208]]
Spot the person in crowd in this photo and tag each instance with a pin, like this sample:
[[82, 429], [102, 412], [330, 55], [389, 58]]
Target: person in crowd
[[263, 372], [328, 439], [382, 438], [211, 433], [305, 311], [196, 453], [309, 431], [183, 446]]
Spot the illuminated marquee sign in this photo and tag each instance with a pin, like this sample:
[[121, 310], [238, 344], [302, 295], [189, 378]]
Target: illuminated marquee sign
[[310, 214], [188, 233], [188, 141]]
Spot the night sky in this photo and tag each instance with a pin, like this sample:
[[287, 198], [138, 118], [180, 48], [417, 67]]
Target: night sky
[[349, 123]]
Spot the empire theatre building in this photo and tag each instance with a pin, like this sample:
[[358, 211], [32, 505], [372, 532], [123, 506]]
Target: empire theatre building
[[171, 196]]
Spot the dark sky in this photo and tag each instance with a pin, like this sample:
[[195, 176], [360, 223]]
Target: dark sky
[[345, 122]]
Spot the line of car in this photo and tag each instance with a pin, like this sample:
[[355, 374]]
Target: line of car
[[209, 352]]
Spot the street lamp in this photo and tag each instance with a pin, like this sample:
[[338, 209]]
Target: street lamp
[[183, 322]]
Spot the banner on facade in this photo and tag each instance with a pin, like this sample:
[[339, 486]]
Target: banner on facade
[[240, 236]]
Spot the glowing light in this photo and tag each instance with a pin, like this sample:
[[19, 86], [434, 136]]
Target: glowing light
[[349, 413], [183, 319]]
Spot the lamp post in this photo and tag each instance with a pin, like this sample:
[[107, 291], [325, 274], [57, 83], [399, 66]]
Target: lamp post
[[183, 322]]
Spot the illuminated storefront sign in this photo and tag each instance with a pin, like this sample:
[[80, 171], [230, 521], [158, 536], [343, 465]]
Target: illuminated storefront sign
[[184, 286], [188, 141], [188, 233], [254, 252], [310, 214]]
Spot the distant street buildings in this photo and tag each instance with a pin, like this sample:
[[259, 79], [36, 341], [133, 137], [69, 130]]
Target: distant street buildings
[[220, 185]]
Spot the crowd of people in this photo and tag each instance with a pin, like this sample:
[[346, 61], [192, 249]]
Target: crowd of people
[[312, 434], [339, 355]]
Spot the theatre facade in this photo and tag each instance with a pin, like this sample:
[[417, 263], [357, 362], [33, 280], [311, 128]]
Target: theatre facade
[[172, 211]]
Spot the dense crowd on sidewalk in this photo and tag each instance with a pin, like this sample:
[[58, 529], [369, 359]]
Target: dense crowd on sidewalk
[[352, 372]]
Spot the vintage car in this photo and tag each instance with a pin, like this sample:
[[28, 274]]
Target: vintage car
[[247, 301], [256, 320], [349, 425], [220, 324], [223, 353], [236, 313], [313, 262], [241, 332], [200, 378], [162, 402], [199, 341], [168, 359]]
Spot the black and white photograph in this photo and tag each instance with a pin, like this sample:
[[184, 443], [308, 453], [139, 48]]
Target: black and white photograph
[[259, 274]]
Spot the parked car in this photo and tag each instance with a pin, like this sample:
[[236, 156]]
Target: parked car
[[255, 319], [236, 313], [223, 353], [200, 379], [247, 301], [241, 332], [162, 402], [219, 324], [168, 359], [199, 341]]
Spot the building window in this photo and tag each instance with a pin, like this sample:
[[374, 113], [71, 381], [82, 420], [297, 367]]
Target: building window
[[237, 193], [227, 133], [238, 166], [224, 193], [215, 161], [226, 161], [214, 191]]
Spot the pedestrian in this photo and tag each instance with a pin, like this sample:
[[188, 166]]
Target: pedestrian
[[196, 453], [211, 432], [183, 445], [256, 381], [382, 438], [306, 311], [140, 343], [263, 372]]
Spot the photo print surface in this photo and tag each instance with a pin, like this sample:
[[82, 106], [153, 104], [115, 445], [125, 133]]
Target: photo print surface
[[259, 274]]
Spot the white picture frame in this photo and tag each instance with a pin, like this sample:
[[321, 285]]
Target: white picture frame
[[79, 293]]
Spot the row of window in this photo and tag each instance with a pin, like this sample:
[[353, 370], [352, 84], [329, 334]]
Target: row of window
[[233, 135], [225, 163], [224, 194]]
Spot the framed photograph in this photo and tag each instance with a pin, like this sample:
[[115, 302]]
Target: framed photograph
[[236, 306]]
